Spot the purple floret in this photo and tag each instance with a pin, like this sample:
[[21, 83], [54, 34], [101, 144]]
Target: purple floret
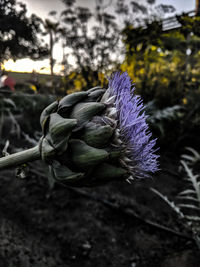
[[133, 127]]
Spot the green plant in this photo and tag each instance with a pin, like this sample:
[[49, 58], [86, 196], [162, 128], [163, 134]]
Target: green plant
[[8, 123], [187, 205], [93, 137], [161, 120]]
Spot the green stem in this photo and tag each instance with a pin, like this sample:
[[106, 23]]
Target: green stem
[[20, 158]]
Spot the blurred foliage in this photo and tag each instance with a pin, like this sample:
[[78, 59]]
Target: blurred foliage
[[75, 81], [19, 113], [160, 119], [30, 107], [176, 126], [18, 33], [164, 65]]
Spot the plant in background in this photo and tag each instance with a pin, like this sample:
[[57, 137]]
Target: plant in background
[[93, 137], [15, 111], [8, 123], [30, 106], [187, 205], [191, 159], [158, 118]]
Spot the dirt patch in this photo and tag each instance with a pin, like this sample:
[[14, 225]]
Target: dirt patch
[[40, 227]]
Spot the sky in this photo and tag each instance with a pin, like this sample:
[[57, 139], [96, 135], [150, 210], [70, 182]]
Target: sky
[[42, 7]]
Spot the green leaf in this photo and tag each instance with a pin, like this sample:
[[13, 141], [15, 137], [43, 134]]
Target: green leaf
[[60, 130], [96, 94], [84, 156], [9, 103], [45, 115], [85, 111], [47, 150], [115, 153], [96, 135], [70, 100], [93, 89], [64, 174], [107, 172], [188, 206]]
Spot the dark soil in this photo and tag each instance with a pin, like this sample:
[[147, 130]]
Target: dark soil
[[40, 227]]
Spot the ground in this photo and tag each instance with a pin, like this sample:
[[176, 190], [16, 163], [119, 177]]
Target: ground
[[91, 227]]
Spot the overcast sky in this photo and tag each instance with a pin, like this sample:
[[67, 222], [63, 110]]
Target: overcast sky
[[42, 7]]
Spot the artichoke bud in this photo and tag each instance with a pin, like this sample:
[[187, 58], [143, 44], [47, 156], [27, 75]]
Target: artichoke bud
[[70, 100], [93, 137], [105, 97], [95, 95], [45, 114], [62, 173], [93, 89], [84, 156], [96, 135], [60, 130], [46, 149], [84, 112], [106, 172], [115, 154]]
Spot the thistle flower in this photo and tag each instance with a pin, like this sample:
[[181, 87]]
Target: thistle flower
[[132, 127], [93, 137]]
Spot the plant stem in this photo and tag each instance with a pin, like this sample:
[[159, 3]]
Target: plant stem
[[19, 158]]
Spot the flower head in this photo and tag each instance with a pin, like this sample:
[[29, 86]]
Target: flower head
[[91, 138], [133, 131]]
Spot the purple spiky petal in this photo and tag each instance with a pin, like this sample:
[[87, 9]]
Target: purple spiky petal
[[134, 131]]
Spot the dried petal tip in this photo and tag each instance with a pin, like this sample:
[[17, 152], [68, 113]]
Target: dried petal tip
[[134, 131]]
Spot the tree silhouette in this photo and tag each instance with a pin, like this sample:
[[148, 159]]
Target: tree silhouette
[[92, 38], [52, 29], [18, 33]]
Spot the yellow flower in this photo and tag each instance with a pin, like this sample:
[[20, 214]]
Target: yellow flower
[[33, 87], [185, 101]]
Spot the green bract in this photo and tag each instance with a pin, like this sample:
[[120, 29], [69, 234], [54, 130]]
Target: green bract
[[79, 140]]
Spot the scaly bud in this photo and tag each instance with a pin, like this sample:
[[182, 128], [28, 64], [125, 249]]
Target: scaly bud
[[91, 138]]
